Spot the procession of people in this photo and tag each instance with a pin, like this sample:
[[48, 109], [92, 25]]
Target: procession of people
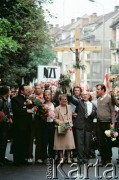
[[60, 123]]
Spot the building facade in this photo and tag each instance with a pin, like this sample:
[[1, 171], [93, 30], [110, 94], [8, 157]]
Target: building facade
[[94, 31]]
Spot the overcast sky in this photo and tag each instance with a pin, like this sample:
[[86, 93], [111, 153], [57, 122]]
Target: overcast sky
[[65, 10]]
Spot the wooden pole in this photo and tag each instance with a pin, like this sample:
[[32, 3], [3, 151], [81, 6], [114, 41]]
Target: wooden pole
[[77, 76], [77, 56]]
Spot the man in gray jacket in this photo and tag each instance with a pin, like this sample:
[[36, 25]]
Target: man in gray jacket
[[106, 120]]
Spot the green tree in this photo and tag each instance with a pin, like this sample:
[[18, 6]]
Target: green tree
[[43, 57], [27, 33], [7, 46], [6, 43]]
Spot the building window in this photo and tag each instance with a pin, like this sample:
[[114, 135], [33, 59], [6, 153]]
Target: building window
[[96, 70], [88, 56]]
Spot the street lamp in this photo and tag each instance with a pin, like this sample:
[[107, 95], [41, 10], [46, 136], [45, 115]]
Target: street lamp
[[103, 37]]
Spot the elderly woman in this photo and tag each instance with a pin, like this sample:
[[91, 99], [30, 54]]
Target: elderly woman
[[65, 141]]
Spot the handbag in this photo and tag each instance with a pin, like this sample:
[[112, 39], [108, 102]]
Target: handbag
[[62, 128]]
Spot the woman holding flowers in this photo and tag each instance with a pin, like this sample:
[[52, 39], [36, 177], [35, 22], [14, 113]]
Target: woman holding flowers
[[48, 134], [65, 141], [38, 128]]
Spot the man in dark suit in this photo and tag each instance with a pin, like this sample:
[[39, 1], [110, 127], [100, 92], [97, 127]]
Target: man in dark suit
[[22, 116], [83, 126], [76, 95]]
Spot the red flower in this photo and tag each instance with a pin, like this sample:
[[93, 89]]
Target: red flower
[[2, 115]]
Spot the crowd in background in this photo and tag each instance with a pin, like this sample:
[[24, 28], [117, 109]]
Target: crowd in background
[[34, 114]]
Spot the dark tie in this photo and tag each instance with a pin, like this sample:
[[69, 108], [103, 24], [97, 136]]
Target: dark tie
[[86, 111]]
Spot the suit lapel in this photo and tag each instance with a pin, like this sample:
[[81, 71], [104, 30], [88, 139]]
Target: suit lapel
[[20, 99], [82, 104]]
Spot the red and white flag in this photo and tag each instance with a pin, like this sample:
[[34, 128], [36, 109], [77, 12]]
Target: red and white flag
[[106, 81]]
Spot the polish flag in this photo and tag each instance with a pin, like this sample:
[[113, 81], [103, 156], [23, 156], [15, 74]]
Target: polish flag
[[106, 81]]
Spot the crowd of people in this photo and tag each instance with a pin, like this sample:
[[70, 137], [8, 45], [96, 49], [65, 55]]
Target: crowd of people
[[39, 114]]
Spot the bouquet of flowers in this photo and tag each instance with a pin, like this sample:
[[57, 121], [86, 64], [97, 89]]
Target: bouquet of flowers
[[51, 114], [112, 134], [27, 102], [2, 115], [44, 111], [62, 128], [37, 102], [64, 80], [34, 101], [67, 126], [113, 80]]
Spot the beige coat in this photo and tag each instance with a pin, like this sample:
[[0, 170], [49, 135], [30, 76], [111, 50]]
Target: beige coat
[[64, 142]]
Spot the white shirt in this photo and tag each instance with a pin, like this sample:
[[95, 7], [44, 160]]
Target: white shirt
[[89, 107]]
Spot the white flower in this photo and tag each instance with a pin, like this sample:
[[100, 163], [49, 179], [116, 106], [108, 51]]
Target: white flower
[[108, 133], [24, 106], [111, 133]]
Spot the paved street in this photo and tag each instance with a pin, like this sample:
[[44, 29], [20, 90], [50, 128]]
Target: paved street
[[43, 172]]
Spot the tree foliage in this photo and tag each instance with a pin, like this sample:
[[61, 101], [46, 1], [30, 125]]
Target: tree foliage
[[6, 43], [23, 31]]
